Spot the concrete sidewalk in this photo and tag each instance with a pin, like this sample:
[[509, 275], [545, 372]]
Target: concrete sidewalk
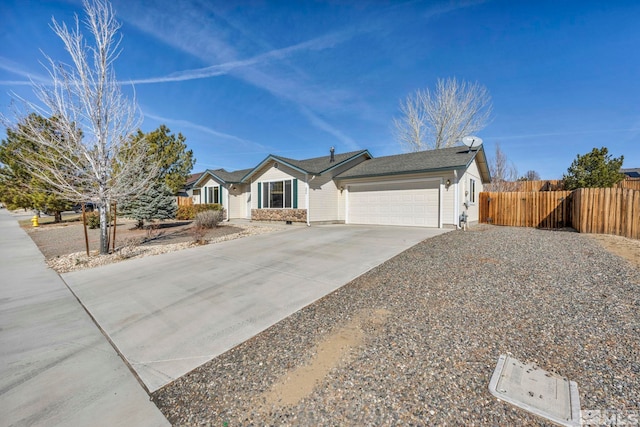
[[170, 313], [56, 367]]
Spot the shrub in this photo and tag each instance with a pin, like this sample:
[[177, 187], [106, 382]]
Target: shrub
[[207, 219], [93, 219], [185, 212], [198, 234], [129, 248], [190, 212]]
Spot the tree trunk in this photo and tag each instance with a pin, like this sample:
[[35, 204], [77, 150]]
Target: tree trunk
[[104, 231], [57, 216]]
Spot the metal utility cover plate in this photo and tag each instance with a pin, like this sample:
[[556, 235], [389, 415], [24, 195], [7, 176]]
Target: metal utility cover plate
[[535, 390]]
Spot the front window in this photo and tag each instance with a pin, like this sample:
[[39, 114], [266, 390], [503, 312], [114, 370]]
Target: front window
[[277, 194], [212, 195]]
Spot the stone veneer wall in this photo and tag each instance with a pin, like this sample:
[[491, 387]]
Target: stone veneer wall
[[294, 215]]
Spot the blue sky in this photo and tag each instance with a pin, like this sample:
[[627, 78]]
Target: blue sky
[[242, 80]]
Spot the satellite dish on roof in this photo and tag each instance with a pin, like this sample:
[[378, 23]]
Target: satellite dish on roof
[[472, 141]]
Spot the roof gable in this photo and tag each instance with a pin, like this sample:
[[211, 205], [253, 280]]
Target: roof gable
[[221, 176], [314, 166], [319, 165]]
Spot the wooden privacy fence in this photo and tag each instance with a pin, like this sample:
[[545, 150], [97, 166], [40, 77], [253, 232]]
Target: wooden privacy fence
[[631, 184], [184, 201], [607, 211], [548, 209], [555, 185], [588, 210], [548, 185]]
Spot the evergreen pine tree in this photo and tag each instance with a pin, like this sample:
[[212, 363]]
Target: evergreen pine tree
[[157, 203], [596, 169]]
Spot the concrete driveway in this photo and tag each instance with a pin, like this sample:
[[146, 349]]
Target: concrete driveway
[[170, 313]]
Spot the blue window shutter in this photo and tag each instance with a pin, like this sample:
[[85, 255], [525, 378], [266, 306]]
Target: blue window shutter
[[259, 195], [219, 195], [295, 193], [206, 192]]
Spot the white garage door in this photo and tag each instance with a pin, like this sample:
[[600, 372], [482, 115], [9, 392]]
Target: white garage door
[[414, 203]]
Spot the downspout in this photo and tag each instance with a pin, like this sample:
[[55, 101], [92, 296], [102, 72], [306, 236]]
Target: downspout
[[250, 204], [306, 182], [456, 205], [441, 203], [228, 203]]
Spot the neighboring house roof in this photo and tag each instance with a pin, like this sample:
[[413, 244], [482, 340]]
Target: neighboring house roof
[[314, 166], [632, 172], [192, 179], [420, 162]]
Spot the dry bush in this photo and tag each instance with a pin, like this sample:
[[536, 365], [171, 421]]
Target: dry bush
[[129, 247], [199, 234], [207, 219], [153, 231]]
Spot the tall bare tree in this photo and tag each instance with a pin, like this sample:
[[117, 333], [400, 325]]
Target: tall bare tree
[[503, 173], [531, 175], [411, 126], [92, 119], [440, 118]]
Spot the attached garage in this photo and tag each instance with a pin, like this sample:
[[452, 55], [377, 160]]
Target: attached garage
[[406, 203]]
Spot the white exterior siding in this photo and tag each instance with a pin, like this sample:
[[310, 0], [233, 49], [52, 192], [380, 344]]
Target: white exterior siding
[[472, 172], [448, 199], [326, 201], [195, 196], [323, 199]]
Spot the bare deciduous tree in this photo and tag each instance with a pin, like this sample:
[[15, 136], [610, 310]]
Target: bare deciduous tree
[[411, 127], [92, 120], [503, 173], [531, 175], [441, 118]]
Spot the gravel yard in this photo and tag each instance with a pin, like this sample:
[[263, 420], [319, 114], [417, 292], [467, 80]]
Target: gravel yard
[[415, 340]]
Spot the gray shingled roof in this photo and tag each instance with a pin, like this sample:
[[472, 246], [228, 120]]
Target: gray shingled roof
[[231, 177], [422, 161], [318, 165], [234, 177]]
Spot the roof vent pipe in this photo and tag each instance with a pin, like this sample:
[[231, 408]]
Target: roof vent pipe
[[332, 151]]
